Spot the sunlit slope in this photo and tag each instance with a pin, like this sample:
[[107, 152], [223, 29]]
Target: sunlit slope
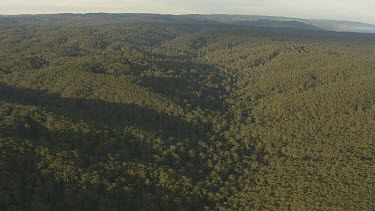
[[168, 116]]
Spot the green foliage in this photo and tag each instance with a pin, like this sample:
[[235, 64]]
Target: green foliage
[[140, 116]]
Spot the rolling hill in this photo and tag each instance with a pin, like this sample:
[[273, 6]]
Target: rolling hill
[[250, 20], [156, 112]]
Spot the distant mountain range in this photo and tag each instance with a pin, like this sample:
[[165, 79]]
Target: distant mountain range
[[280, 22], [243, 20]]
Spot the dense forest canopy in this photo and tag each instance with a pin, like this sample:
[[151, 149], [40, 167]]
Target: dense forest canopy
[[185, 116]]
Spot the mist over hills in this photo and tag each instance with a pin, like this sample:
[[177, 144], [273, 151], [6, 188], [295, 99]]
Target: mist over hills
[[243, 20]]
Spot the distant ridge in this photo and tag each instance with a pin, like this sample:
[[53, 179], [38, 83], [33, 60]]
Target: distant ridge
[[243, 20], [329, 25]]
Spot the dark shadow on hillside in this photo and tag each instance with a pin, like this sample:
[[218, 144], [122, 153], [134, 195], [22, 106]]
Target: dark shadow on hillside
[[94, 147], [105, 114], [184, 90], [25, 168], [188, 84], [108, 119], [98, 143]]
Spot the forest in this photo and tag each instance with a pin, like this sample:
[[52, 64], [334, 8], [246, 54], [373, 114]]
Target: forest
[[111, 115]]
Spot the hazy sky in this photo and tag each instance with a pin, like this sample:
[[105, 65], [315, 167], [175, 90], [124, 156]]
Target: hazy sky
[[355, 10]]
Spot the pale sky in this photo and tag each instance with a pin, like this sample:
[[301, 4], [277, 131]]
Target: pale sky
[[353, 10]]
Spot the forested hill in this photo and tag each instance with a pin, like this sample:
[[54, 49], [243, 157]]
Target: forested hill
[[239, 20], [185, 116]]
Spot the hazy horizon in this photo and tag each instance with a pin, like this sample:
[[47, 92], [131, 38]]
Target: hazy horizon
[[348, 10]]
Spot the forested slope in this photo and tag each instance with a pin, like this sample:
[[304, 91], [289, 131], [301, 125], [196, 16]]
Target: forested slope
[[141, 116], [239, 20]]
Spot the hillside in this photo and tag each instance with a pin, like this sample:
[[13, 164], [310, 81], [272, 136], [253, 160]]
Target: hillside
[[244, 20], [328, 25], [114, 115]]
